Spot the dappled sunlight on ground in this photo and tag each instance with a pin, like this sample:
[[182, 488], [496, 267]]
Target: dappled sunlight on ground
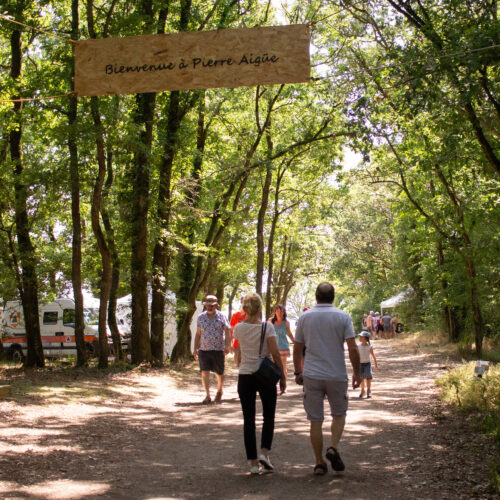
[[147, 436], [56, 490]]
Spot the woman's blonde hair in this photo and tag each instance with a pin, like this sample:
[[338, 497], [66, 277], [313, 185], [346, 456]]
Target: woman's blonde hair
[[252, 303]]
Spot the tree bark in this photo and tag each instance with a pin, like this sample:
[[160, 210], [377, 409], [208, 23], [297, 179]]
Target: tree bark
[[163, 216], [160, 254], [261, 217], [144, 120], [105, 283], [115, 262], [76, 259], [270, 245], [449, 319], [27, 257], [140, 343], [476, 309], [202, 268]]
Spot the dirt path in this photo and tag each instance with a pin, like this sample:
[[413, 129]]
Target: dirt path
[[146, 436]]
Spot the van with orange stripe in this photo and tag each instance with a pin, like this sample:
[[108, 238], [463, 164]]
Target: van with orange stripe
[[57, 330]]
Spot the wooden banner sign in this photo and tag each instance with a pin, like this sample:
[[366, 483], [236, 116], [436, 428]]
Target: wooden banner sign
[[193, 60]]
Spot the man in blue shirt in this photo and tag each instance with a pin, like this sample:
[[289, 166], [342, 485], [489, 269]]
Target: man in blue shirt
[[322, 330]]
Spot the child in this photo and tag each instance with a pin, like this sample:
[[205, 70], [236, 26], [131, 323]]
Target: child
[[365, 350]]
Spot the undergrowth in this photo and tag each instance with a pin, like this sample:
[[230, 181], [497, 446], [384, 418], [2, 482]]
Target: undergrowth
[[471, 395]]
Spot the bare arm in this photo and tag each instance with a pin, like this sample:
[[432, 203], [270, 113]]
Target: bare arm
[[197, 339], [374, 358], [236, 349], [289, 332], [227, 340], [298, 350], [237, 356], [272, 345], [354, 357]]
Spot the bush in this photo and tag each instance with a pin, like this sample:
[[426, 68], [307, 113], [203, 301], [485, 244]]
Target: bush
[[480, 396], [473, 395]]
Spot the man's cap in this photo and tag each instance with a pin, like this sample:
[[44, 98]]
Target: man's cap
[[210, 300], [365, 334]]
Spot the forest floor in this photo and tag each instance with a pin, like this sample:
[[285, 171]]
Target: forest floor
[[144, 434]]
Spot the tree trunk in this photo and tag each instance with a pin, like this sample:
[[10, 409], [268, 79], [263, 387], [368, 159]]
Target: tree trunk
[[27, 255], [192, 284], [141, 346], [270, 246], [95, 211], [76, 260], [163, 216], [449, 316], [115, 262], [144, 119], [186, 295], [261, 219], [231, 297], [201, 272], [476, 309], [51, 271], [219, 291], [160, 254], [280, 282]]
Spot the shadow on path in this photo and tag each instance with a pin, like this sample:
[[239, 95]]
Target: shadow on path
[[161, 442]]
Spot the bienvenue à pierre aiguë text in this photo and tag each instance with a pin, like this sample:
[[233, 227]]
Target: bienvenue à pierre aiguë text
[[193, 63]]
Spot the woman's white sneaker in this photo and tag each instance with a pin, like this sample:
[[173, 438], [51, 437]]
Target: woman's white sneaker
[[266, 463]]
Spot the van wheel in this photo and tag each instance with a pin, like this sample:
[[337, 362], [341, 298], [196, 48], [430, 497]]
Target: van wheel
[[16, 354]]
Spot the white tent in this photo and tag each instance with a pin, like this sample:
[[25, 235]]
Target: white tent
[[394, 301]]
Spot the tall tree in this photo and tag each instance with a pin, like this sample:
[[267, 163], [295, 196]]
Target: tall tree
[[27, 256], [144, 121], [76, 262]]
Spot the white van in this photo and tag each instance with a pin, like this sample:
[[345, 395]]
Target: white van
[[124, 320], [57, 330]]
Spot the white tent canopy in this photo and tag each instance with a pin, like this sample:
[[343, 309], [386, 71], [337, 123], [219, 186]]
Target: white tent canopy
[[394, 301]]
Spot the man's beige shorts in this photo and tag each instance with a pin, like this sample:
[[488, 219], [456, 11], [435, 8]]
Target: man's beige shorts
[[315, 392]]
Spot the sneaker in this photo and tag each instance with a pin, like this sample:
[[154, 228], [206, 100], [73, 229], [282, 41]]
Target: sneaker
[[255, 469], [265, 462], [334, 456]]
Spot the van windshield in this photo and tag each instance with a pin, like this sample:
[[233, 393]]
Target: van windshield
[[69, 317], [91, 316]]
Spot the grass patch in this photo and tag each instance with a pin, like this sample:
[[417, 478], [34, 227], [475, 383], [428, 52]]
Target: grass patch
[[477, 397], [429, 342], [436, 342], [490, 351]]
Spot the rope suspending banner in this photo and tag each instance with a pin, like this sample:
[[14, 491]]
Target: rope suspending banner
[[49, 33], [326, 75], [41, 98]]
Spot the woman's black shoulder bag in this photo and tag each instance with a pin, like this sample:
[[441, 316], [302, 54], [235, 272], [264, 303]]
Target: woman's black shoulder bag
[[268, 372]]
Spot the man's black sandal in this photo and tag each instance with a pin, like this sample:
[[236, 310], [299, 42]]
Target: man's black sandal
[[320, 469], [333, 455]]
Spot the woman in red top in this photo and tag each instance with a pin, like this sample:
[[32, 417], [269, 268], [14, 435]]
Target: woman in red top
[[236, 318]]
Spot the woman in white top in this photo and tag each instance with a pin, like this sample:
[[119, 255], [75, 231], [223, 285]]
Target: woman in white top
[[248, 334]]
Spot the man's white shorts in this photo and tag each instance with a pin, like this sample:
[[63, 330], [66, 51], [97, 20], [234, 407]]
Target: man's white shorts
[[315, 392]]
